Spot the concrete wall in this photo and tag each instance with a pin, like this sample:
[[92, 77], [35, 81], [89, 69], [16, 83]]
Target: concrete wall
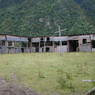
[[85, 47], [61, 49]]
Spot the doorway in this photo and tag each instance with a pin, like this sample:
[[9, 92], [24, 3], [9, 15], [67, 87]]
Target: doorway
[[73, 45], [47, 49], [22, 50]]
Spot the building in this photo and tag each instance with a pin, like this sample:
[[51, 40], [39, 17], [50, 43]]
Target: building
[[15, 44], [83, 43]]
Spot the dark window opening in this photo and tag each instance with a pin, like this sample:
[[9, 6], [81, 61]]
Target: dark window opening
[[22, 50], [42, 39], [48, 39], [84, 41], [24, 44], [35, 44], [3, 43], [49, 43], [10, 43], [41, 44], [64, 43], [57, 43], [93, 43], [47, 49]]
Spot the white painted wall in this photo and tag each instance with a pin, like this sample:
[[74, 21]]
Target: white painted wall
[[93, 49], [61, 49], [85, 47]]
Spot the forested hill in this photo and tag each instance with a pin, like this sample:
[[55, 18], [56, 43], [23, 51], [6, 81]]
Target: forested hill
[[42, 17]]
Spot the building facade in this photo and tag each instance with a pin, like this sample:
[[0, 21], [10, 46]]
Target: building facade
[[14, 44]]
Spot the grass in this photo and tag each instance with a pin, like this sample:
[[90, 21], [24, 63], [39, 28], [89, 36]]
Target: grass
[[50, 73]]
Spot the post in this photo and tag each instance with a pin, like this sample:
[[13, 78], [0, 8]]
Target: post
[[44, 45], [90, 42], [60, 36], [39, 46], [59, 31], [6, 45], [53, 46], [30, 43]]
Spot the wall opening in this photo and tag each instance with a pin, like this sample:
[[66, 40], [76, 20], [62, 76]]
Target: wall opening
[[84, 41], [73, 45], [22, 50], [47, 49], [93, 43]]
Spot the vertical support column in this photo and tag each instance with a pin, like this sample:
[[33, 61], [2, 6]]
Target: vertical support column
[[44, 45], [90, 42], [68, 46], [53, 46], [39, 46], [60, 46], [6, 44], [30, 44]]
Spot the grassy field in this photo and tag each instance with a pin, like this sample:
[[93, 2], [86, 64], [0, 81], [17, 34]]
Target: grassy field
[[50, 73]]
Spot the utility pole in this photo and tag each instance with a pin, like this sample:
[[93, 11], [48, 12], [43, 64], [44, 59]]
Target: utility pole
[[59, 30], [60, 34], [30, 42]]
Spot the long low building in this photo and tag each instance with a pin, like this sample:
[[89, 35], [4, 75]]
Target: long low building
[[15, 44]]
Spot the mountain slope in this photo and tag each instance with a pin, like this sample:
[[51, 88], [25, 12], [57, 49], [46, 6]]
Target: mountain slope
[[42, 17]]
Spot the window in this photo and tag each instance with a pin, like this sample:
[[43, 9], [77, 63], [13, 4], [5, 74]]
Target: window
[[3, 43], [10, 43], [84, 41], [64, 43], [47, 49], [24, 44], [48, 39], [17, 44], [41, 39], [57, 43], [93, 43]]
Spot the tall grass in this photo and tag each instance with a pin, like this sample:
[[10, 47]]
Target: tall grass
[[50, 73]]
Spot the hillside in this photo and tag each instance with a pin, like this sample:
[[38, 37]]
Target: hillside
[[40, 17]]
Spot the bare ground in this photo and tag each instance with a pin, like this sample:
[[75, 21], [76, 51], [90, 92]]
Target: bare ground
[[7, 88]]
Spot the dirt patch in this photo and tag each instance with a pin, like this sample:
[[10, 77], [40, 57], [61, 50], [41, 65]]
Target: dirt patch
[[7, 88]]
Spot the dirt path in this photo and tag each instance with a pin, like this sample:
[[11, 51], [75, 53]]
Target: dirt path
[[7, 88]]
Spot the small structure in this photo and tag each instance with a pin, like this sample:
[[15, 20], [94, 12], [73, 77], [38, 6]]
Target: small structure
[[16, 44]]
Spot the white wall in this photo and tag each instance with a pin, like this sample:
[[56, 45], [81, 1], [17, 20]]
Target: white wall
[[86, 47], [61, 49]]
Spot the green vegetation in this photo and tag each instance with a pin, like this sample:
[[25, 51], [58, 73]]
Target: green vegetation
[[39, 17], [50, 73]]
